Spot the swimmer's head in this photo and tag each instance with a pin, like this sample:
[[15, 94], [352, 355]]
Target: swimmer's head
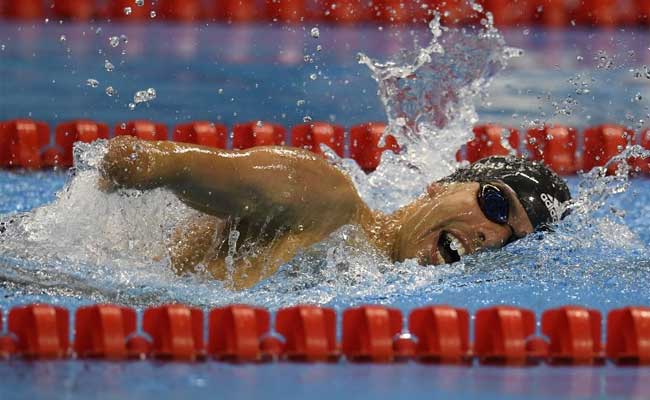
[[541, 191], [488, 204]]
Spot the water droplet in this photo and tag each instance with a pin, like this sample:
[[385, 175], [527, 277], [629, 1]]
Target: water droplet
[[124, 39], [114, 41], [110, 91], [315, 33], [220, 91], [2, 47], [259, 124], [143, 96], [300, 103], [131, 106], [526, 32], [638, 97], [139, 3], [62, 38], [319, 48], [152, 14], [127, 10], [579, 58], [108, 66], [92, 83], [313, 77], [306, 118]]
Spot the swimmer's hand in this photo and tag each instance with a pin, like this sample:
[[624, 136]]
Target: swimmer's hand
[[134, 164]]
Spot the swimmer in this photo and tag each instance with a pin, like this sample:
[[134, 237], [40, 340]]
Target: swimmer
[[282, 200]]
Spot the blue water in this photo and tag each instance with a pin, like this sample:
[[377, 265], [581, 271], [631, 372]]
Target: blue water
[[239, 73]]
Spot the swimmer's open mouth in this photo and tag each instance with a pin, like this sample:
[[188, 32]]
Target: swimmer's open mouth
[[450, 247]]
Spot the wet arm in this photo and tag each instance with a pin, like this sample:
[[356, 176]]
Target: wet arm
[[289, 185]]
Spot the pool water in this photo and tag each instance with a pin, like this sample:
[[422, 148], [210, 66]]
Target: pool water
[[80, 246]]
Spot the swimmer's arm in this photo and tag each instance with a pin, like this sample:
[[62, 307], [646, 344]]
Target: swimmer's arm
[[290, 186]]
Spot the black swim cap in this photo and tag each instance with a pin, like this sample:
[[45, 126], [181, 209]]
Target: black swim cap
[[541, 191]]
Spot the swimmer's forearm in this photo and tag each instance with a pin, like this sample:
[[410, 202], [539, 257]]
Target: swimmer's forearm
[[292, 185], [284, 184]]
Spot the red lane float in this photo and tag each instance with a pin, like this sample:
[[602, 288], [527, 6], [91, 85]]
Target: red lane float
[[203, 133], [393, 11], [235, 333], [628, 336], [42, 331], [117, 11], [368, 333], [287, 11], [509, 13], [66, 134], [574, 335], [643, 164], [142, 129], [21, 141], [235, 10], [555, 146], [344, 12], [309, 333], [7, 343], [257, 133], [176, 331], [101, 331], [643, 11], [603, 142], [76, 10], [489, 140], [442, 332], [23, 9], [311, 136], [500, 335], [552, 13], [602, 13], [504, 335], [364, 144], [180, 10]]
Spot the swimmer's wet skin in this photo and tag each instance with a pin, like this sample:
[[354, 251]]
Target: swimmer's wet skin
[[284, 199]]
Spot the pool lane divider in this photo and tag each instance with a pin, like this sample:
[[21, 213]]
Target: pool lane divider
[[436, 334], [25, 143], [506, 13]]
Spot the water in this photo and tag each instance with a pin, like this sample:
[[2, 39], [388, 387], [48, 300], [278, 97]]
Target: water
[[76, 245], [88, 246]]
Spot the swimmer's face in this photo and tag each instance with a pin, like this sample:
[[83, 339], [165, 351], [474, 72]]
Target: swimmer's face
[[449, 223]]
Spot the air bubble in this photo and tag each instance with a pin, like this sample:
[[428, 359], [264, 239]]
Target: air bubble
[[110, 91], [131, 106], [152, 14], [108, 66], [93, 83], [139, 3], [313, 77], [114, 41], [315, 33], [300, 103], [127, 10]]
